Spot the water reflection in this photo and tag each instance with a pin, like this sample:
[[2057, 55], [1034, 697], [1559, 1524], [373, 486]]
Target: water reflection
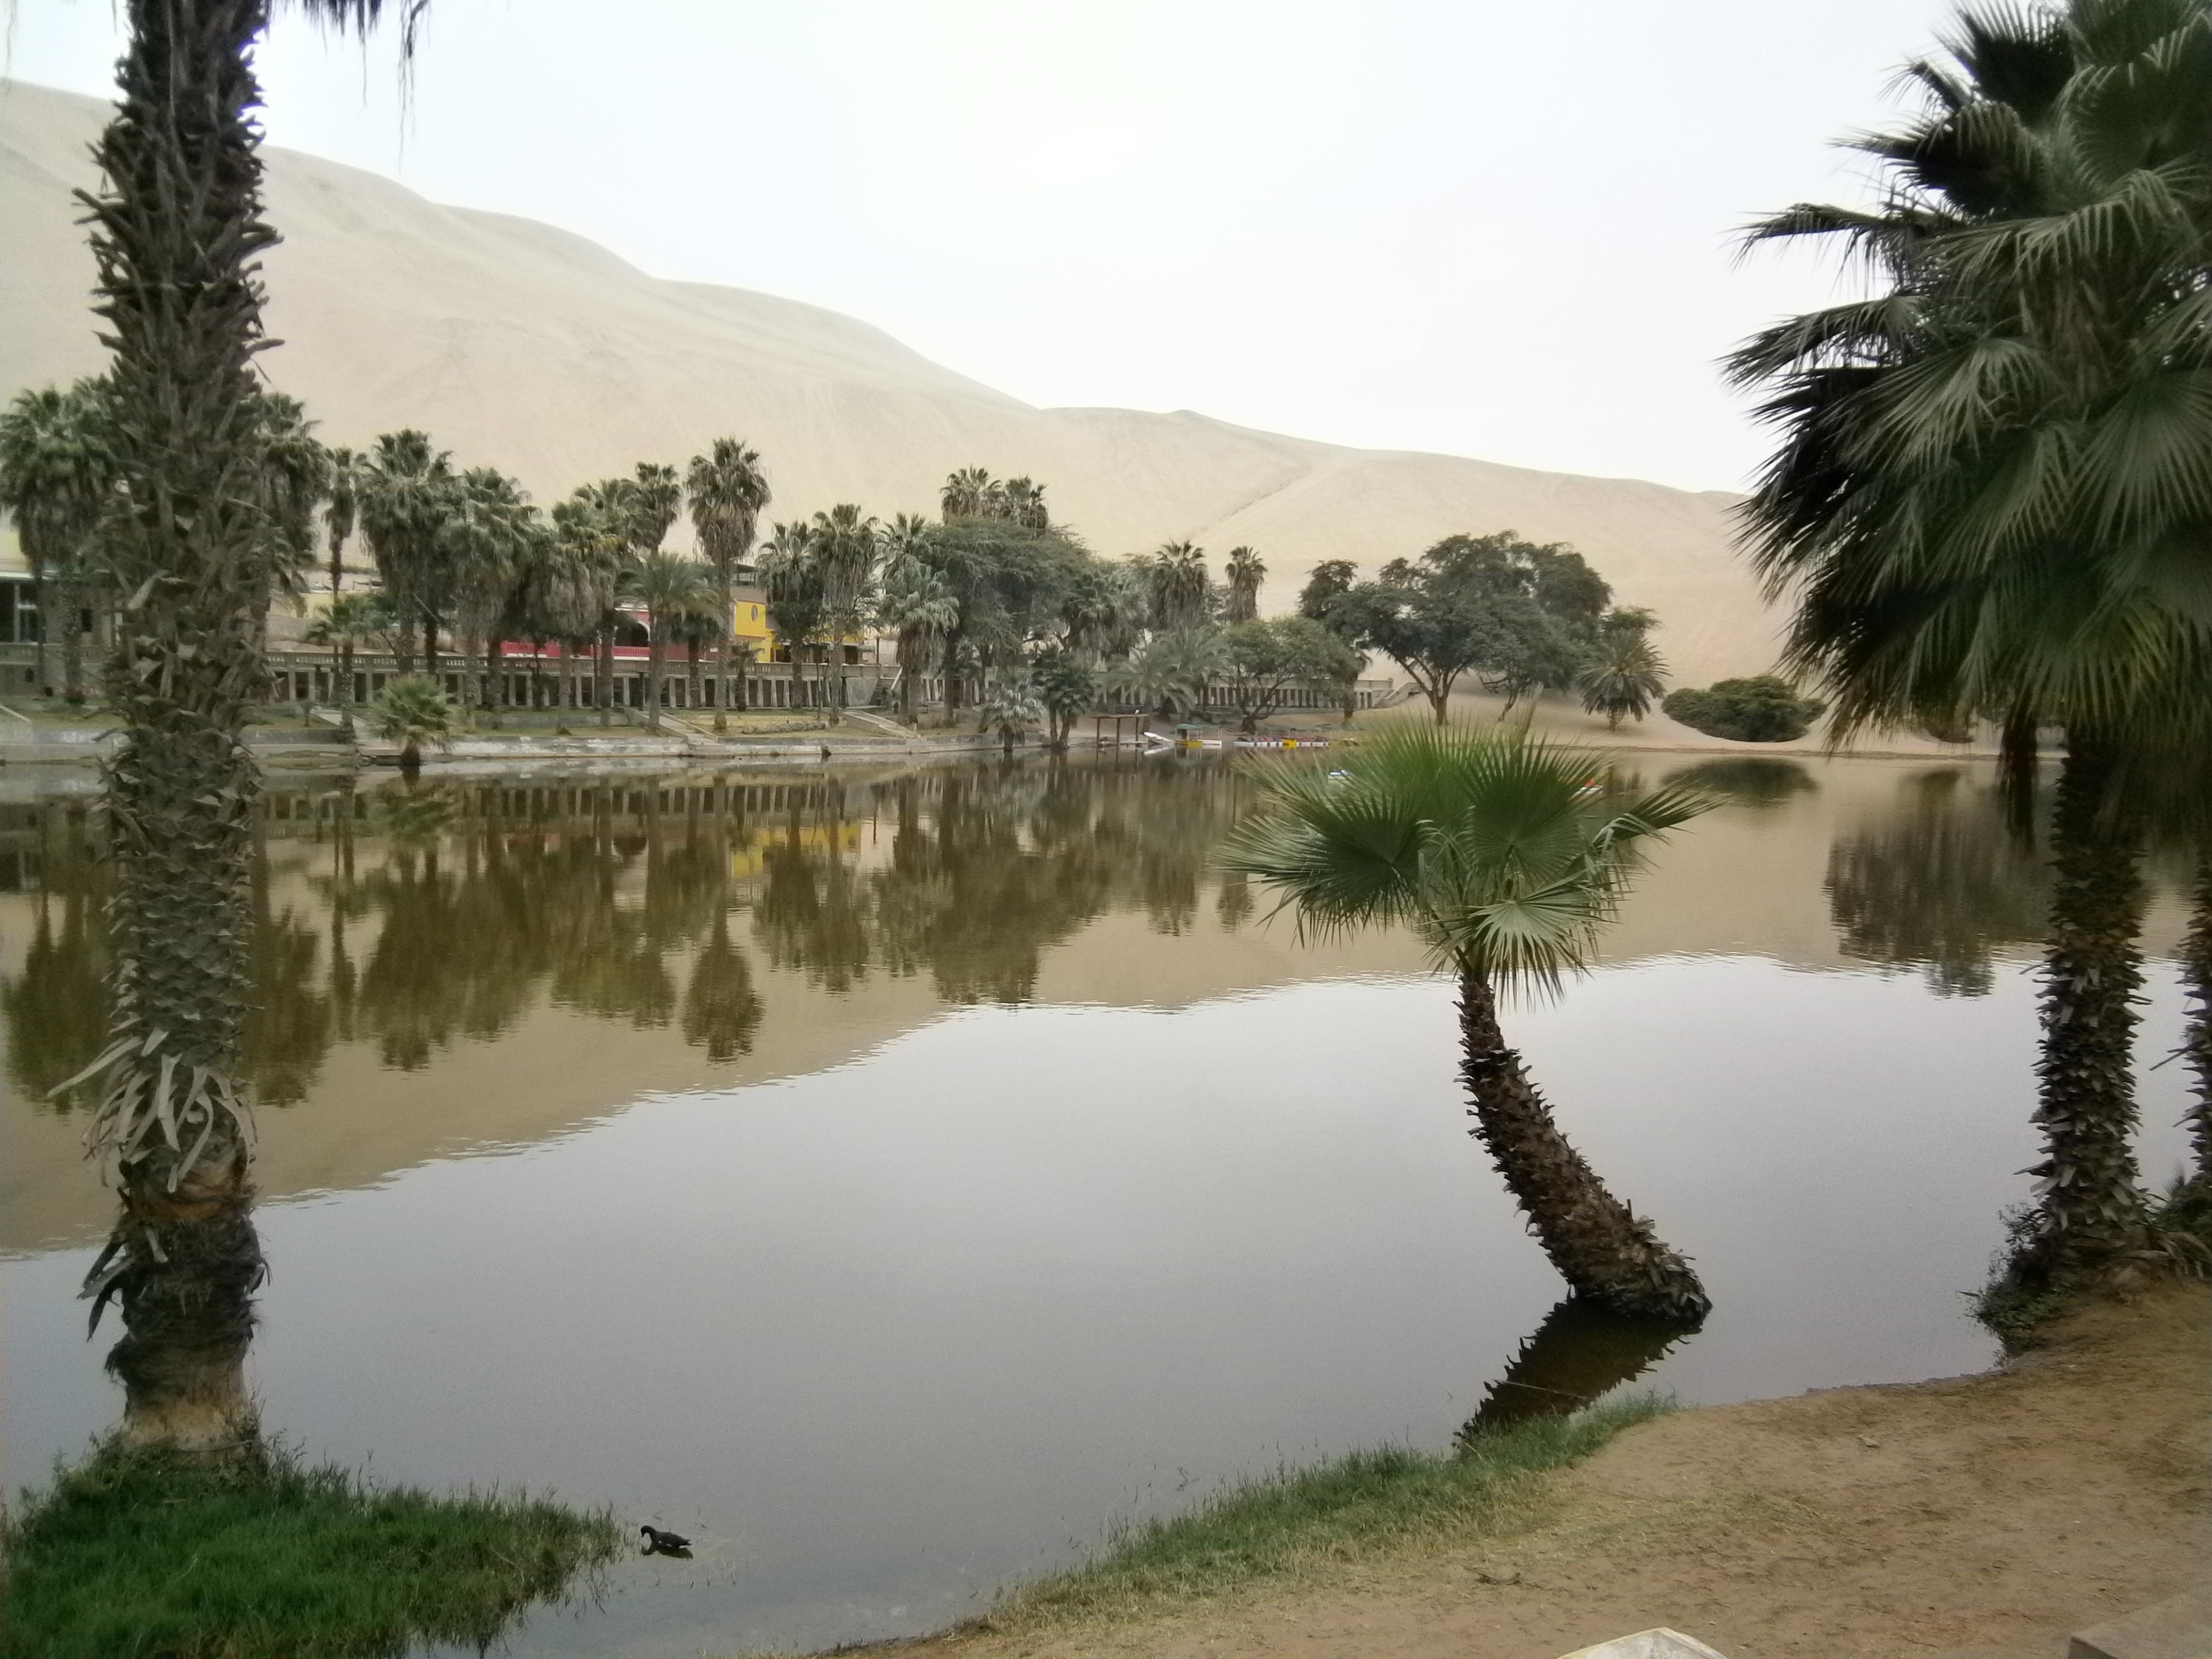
[[1941, 885], [1580, 1354], [442, 913], [1749, 780]]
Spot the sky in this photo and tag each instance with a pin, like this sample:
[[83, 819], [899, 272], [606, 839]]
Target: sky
[[1483, 228]]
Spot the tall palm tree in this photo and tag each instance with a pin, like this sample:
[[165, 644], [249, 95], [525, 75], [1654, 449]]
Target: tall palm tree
[[846, 546], [727, 490], [342, 509], [58, 478], [1179, 584], [1245, 571], [675, 591], [603, 512], [916, 606], [797, 603], [1989, 494], [583, 566], [494, 549], [1495, 851], [408, 493], [177, 232]]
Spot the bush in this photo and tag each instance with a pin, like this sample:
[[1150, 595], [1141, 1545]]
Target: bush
[[1762, 710]]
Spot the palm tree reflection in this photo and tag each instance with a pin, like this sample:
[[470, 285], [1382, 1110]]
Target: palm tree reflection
[[1580, 1354]]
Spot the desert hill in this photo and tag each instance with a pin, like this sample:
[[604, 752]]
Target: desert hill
[[524, 347]]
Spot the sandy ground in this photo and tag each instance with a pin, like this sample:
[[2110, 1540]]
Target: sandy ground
[[1980, 1518]]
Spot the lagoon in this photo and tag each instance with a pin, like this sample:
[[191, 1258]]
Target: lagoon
[[892, 1178]]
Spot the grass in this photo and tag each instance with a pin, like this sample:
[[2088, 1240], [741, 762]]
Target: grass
[[1354, 1507], [2018, 1312], [136, 1555]]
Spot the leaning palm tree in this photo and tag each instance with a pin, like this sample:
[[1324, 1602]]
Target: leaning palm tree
[[1496, 851], [1245, 571], [1989, 493], [727, 491], [57, 460], [177, 233]]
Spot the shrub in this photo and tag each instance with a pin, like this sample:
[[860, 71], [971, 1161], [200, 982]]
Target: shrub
[[1761, 709]]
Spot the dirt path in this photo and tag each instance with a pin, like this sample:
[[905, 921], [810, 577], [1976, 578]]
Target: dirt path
[[1986, 1516]]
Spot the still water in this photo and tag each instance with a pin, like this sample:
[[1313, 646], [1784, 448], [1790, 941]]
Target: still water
[[891, 1179]]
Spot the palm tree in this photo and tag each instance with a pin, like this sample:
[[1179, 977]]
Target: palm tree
[[342, 508], [601, 513], [1169, 672], [727, 490], [58, 478], [1989, 485], [408, 493], [966, 494], [581, 580], [410, 711], [797, 603], [1623, 677], [1495, 851], [1011, 709], [1245, 571], [177, 235], [916, 606], [352, 620], [493, 550], [1179, 585], [845, 544], [674, 592]]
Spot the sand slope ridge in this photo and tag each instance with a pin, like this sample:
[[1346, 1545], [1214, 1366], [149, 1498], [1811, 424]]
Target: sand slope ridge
[[523, 346]]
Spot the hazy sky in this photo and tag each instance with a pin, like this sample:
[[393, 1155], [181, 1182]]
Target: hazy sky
[[1488, 229]]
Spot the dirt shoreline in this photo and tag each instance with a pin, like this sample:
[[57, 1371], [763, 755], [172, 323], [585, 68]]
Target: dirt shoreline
[[1975, 1517]]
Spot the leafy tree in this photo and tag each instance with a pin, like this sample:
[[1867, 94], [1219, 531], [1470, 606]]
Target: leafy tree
[[1987, 494], [1327, 582], [1265, 661], [915, 605], [1066, 689], [1245, 573], [410, 711], [1760, 709], [1493, 849], [1466, 604]]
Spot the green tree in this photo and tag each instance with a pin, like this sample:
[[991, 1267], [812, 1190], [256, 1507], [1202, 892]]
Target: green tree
[[1244, 574], [1011, 708], [915, 605], [1763, 708], [1179, 587], [1495, 851], [675, 593], [1263, 662], [410, 711], [341, 509], [1065, 688], [1988, 491], [727, 491], [846, 546], [352, 620], [1169, 672], [58, 458], [797, 596], [1624, 673], [408, 493]]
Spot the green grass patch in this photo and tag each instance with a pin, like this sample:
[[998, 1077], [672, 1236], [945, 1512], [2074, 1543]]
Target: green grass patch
[[1359, 1505], [136, 1555]]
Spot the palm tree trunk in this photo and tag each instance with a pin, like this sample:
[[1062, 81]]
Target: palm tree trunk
[[1601, 1249], [655, 654], [345, 687], [404, 643], [602, 675], [722, 647], [430, 643], [72, 602], [175, 239], [2092, 1208], [2197, 1040]]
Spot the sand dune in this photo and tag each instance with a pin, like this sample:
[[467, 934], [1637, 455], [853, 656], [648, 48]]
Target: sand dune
[[527, 348]]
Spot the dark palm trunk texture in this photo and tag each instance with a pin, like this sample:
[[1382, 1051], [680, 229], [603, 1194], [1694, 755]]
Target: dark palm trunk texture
[[1604, 1251], [175, 233], [2091, 1207]]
